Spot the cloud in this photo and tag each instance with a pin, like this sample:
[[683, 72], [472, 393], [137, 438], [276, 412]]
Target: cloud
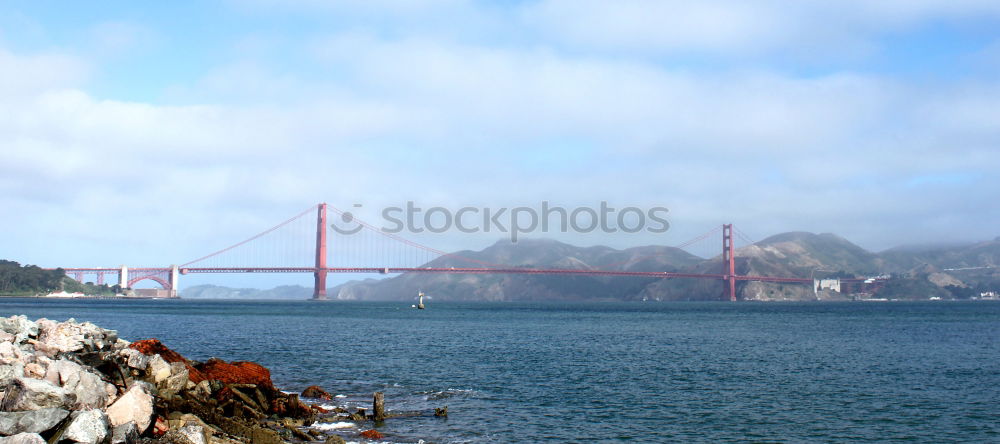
[[26, 75], [741, 28], [377, 117]]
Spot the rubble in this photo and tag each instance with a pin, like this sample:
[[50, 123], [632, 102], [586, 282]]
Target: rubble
[[76, 382]]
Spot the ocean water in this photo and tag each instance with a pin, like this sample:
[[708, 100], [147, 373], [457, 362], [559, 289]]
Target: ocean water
[[642, 372]]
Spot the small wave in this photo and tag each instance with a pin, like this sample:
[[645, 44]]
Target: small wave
[[340, 396], [444, 394], [333, 425]]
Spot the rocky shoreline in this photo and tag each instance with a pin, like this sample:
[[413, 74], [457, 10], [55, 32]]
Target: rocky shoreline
[[76, 382]]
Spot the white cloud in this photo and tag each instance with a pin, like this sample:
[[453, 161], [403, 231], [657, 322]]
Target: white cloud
[[446, 122], [741, 28]]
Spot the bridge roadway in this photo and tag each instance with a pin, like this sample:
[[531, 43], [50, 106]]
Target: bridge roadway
[[480, 270]]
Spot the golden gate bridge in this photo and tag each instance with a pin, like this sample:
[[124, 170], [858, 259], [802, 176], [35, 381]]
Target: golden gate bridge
[[373, 250]]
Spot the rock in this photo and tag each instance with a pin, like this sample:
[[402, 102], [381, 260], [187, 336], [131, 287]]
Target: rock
[[202, 390], [20, 327], [441, 412], [70, 337], [62, 371], [313, 391], [34, 370], [10, 372], [371, 434], [88, 426], [194, 433], [136, 405], [90, 390], [236, 372], [135, 358], [159, 369], [23, 438], [10, 353], [152, 347], [126, 433], [335, 439], [32, 421], [173, 384], [34, 394], [175, 437]]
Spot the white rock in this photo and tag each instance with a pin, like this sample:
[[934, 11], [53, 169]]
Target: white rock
[[9, 353], [70, 336], [34, 394], [88, 426], [63, 372], [135, 405], [194, 433], [23, 438], [158, 368]]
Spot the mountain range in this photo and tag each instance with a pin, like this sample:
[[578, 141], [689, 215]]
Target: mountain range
[[917, 272]]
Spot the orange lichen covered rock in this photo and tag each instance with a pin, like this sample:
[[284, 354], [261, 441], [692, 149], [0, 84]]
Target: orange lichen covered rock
[[236, 372], [153, 346], [371, 434]]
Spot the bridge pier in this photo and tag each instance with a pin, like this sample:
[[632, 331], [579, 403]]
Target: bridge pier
[[175, 274], [123, 277]]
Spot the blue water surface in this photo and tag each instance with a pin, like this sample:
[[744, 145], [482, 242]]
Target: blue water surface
[[581, 372]]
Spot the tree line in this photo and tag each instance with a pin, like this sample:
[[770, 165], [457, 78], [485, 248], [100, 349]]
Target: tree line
[[15, 278]]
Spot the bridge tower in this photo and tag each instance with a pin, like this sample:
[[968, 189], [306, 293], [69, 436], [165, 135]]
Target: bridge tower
[[319, 286], [729, 262]]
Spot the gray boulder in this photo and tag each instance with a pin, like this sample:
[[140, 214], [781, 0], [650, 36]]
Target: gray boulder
[[88, 426], [126, 433], [20, 326], [91, 392], [23, 438], [135, 358], [9, 373], [33, 421], [34, 394]]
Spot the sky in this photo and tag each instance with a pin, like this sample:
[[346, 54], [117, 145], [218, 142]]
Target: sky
[[155, 132]]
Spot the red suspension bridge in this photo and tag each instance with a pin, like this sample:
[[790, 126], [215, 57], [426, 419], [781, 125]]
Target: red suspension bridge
[[302, 247]]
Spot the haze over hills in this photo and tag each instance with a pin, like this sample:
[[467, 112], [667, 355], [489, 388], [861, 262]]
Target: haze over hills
[[919, 272]]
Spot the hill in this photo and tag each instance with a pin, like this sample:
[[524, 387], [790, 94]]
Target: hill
[[518, 287], [792, 254], [218, 292]]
